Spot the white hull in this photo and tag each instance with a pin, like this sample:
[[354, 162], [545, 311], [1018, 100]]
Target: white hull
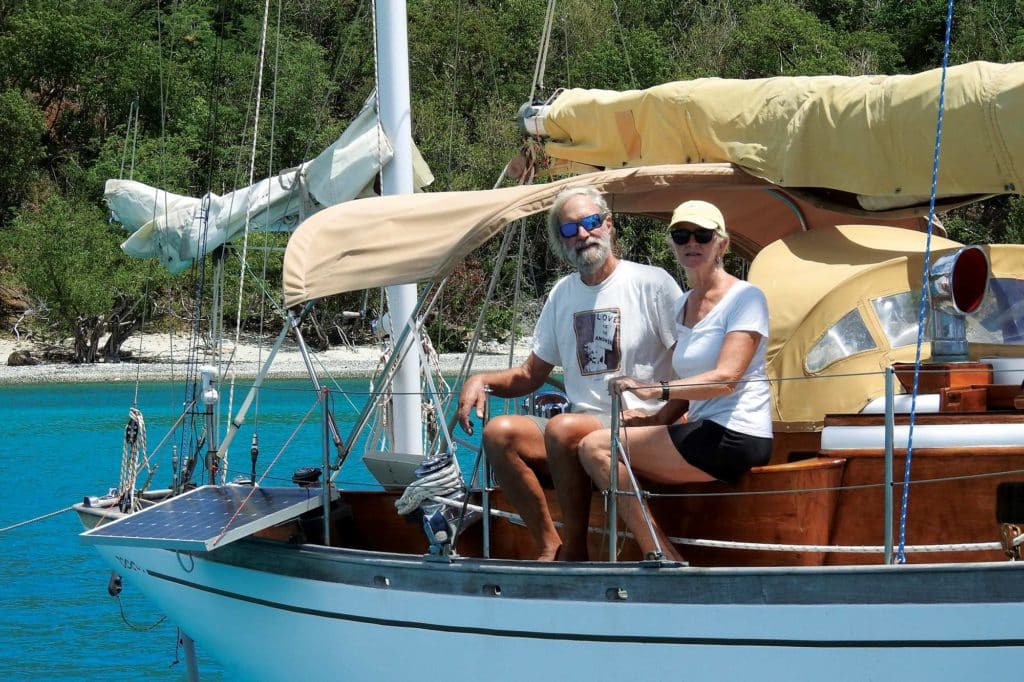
[[370, 616]]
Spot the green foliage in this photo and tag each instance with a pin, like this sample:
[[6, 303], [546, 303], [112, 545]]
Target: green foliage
[[778, 38], [645, 240], [67, 256], [997, 221], [72, 74], [918, 27], [992, 30], [21, 129]]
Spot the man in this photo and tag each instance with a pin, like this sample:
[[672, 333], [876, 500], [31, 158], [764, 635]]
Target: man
[[610, 318]]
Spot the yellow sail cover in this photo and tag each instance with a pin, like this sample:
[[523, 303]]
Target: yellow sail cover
[[872, 136]]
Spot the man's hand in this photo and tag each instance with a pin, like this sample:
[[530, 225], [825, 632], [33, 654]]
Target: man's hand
[[624, 384], [472, 395]]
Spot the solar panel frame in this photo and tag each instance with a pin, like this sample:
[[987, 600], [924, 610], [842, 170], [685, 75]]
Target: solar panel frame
[[207, 517]]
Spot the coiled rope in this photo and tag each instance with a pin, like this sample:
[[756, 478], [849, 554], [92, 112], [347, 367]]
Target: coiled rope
[[132, 452], [445, 481]]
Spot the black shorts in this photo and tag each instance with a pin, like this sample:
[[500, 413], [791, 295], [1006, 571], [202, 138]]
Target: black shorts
[[718, 451]]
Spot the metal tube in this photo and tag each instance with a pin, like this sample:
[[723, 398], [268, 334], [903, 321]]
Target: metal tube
[[658, 549], [325, 488], [396, 179], [485, 495], [613, 483], [211, 446], [308, 361], [890, 421], [210, 397], [239, 419], [191, 664], [371, 403]]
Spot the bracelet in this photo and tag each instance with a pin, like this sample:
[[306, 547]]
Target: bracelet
[[664, 391]]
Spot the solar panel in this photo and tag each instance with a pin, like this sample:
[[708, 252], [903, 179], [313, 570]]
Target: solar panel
[[207, 517]]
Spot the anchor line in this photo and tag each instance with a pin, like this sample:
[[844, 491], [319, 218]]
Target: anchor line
[[38, 518]]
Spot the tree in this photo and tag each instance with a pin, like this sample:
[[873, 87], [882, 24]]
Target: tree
[[68, 257], [21, 129], [777, 38]]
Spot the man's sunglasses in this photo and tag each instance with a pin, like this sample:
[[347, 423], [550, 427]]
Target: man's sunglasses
[[682, 236], [589, 223]]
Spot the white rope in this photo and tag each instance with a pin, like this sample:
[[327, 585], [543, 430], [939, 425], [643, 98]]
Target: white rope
[[133, 450], [762, 546], [260, 66], [514, 518], [443, 482], [839, 549], [542, 51]]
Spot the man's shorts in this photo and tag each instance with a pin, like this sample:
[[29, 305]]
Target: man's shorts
[[542, 422]]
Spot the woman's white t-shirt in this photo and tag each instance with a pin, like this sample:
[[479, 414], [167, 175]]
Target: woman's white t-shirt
[[747, 409]]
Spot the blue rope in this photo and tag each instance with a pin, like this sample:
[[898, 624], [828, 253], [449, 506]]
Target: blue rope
[[901, 556]]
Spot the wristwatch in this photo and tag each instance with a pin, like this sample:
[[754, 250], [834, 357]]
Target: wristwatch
[[664, 391]]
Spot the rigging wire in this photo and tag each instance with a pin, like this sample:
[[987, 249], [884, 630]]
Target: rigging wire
[[542, 51], [455, 80], [625, 47], [260, 66], [198, 269], [901, 556], [270, 171], [133, 122]]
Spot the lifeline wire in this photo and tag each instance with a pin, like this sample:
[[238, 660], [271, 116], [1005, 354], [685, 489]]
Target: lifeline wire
[[901, 556]]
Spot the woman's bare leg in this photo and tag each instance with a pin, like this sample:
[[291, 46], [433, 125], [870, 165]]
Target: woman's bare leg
[[653, 456]]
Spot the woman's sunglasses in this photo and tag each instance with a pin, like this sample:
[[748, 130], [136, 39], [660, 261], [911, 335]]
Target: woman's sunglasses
[[682, 236], [589, 223]]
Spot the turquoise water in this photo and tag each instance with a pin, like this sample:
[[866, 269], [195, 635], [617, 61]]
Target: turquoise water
[[63, 442]]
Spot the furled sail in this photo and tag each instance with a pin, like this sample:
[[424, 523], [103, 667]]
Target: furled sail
[[178, 229], [870, 136]]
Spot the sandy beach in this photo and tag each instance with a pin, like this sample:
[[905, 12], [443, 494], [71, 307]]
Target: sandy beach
[[163, 357]]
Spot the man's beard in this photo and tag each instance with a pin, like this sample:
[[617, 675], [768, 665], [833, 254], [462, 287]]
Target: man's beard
[[591, 258]]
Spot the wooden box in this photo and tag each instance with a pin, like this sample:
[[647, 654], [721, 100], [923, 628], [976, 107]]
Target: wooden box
[[972, 399], [938, 375]]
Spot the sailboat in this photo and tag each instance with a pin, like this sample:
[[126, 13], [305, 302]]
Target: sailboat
[[287, 582]]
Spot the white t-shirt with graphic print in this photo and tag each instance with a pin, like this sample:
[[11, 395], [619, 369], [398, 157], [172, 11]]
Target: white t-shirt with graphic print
[[622, 326], [747, 409]]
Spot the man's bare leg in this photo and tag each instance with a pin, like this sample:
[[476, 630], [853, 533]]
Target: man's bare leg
[[572, 484], [515, 447]]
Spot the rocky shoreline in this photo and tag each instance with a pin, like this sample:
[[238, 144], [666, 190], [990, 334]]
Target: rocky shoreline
[[163, 358]]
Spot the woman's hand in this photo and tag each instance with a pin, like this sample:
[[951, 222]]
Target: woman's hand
[[638, 418]]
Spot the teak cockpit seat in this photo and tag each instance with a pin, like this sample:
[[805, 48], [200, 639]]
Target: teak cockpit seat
[[790, 503]]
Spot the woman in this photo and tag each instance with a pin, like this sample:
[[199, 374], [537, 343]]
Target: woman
[[721, 334]]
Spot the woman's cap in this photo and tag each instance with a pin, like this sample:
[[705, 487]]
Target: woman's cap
[[701, 214]]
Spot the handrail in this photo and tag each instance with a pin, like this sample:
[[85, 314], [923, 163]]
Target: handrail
[[613, 481], [890, 427]]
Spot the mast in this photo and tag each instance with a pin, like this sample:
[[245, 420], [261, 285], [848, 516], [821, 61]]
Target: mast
[[396, 178]]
